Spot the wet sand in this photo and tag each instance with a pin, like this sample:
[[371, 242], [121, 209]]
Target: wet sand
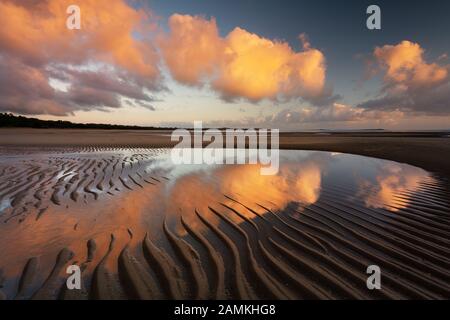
[[141, 228], [428, 150]]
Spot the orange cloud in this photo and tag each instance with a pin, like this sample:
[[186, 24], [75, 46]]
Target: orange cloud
[[410, 83], [404, 64], [241, 65], [193, 49], [113, 58], [34, 37], [36, 32]]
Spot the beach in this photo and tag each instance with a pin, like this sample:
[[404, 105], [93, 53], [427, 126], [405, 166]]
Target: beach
[[140, 227], [428, 150]]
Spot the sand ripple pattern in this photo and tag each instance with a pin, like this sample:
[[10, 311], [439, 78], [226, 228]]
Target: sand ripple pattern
[[66, 176], [236, 247]]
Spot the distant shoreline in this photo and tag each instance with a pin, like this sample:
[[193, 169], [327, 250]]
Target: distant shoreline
[[427, 150], [8, 120]]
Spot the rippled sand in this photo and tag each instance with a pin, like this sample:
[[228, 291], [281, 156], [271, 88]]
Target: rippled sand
[[143, 228]]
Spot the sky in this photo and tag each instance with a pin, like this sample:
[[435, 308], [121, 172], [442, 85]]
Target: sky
[[291, 65]]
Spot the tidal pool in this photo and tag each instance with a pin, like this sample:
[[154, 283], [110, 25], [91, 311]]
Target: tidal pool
[[141, 227]]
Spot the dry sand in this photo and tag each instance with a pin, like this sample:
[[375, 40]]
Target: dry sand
[[430, 151]]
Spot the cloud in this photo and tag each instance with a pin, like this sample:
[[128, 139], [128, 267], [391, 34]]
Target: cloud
[[404, 64], [36, 32], [112, 61], [410, 83], [35, 46], [334, 113], [25, 90], [294, 119], [193, 48], [242, 64]]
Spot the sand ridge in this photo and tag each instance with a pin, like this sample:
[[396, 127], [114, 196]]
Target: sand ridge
[[139, 232]]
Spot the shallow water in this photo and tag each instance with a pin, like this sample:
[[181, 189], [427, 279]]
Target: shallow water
[[142, 227]]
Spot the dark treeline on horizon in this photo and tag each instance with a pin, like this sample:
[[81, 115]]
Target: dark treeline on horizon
[[10, 120]]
